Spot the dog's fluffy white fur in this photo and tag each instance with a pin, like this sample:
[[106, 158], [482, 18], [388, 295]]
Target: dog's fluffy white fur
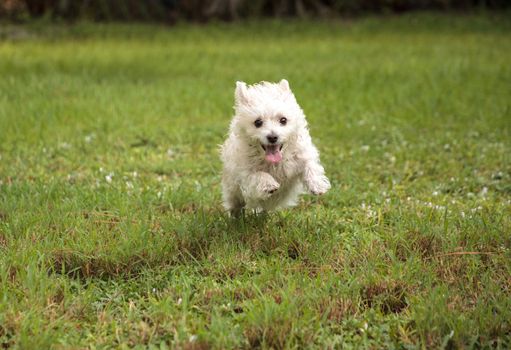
[[269, 158]]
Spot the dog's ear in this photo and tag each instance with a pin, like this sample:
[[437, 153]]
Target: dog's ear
[[240, 94], [284, 85]]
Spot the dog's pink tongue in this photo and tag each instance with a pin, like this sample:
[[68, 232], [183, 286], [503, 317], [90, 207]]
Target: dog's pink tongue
[[273, 154]]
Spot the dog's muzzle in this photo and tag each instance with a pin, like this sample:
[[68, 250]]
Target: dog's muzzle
[[273, 153]]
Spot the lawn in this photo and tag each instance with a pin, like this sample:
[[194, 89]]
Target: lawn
[[112, 233]]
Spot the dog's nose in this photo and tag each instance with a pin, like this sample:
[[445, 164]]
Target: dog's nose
[[272, 139]]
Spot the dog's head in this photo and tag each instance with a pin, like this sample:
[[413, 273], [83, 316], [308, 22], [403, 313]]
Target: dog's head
[[268, 116]]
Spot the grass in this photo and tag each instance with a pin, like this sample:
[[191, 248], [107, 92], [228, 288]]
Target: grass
[[112, 233]]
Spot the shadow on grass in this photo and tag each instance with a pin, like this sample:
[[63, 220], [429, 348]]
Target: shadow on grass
[[189, 240]]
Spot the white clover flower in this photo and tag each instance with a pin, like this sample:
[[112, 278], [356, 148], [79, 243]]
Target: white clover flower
[[498, 175], [390, 157], [192, 338], [108, 177], [179, 301], [483, 192], [89, 138], [365, 148], [368, 211], [64, 145]]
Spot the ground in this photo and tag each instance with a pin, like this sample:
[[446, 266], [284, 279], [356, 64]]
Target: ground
[[112, 233]]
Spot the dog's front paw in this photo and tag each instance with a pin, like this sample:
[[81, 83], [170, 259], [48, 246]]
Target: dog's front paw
[[318, 185], [267, 187]]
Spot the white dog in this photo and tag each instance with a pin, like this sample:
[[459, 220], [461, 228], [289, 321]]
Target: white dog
[[268, 157]]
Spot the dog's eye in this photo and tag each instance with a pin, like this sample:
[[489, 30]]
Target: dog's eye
[[258, 123], [283, 120]]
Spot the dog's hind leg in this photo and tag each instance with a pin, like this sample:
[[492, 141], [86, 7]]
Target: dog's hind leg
[[236, 208], [233, 202]]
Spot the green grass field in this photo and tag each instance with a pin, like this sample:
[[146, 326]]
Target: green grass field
[[112, 233]]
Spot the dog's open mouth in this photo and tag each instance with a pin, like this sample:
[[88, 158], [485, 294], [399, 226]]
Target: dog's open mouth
[[273, 153]]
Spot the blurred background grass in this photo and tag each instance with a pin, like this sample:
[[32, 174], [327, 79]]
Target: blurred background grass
[[170, 11]]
